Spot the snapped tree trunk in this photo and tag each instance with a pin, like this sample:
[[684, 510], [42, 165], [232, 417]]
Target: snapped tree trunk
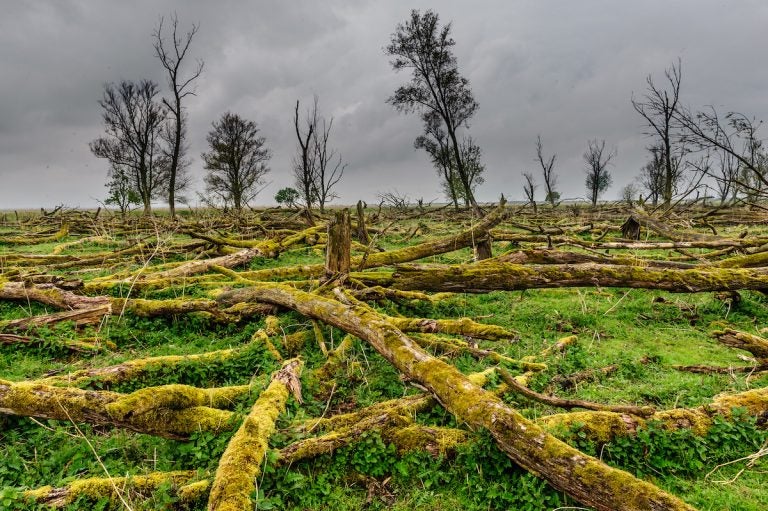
[[337, 252]]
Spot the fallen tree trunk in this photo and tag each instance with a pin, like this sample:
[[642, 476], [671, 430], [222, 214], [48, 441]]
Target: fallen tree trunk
[[240, 464], [583, 477], [48, 294], [80, 317], [482, 278], [33, 399]]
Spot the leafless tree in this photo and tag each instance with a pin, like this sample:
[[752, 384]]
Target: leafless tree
[[547, 169], [171, 54], [237, 161], [597, 160], [659, 107], [736, 135], [652, 174], [436, 87], [133, 121], [304, 163], [529, 187], [329, 167]]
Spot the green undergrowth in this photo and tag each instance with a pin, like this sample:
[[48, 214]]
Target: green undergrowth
[[641, 334]]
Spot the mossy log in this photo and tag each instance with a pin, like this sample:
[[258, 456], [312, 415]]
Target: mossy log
[[583, 477], [744, 341], [453, 346], [34, 399], [77, 346], [108, 487], [49, 294], [79, 317], [240, 464], [604, 426], [627, 245], [553, 256], [36, 239], [462, 326], [482, 278]]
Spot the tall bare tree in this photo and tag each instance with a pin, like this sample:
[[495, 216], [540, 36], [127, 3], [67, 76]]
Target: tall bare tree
[[304, 162], [597, 160], [329, 167], [659, 107], [237, 161], [547, 169], [171, 51], [133, 121], [436, 87]]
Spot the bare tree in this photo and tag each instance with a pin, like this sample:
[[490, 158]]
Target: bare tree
[[529, 187], [304, 163], [652, 175], [237, 161], [659, 107], [171, 55], [329, 167], [597, 160], [735, 135], [436, 87], [133, 121], [547, 169]]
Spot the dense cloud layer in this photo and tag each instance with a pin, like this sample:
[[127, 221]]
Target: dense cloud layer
[[562, 69]]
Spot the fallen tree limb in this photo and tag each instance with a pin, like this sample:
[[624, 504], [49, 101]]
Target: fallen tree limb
[[583, 477], [642, 411], [48, 294], [241, 462]]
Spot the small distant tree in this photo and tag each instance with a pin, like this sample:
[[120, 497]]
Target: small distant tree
[[133, 121], [529, 187], [652, 175], [237, 161], [471, 154], [629, 194], [288, 196], [121, 192], [597, 160], [547, 169], [435, 142]]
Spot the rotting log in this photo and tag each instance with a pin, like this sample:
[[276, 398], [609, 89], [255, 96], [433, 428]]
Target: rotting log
[[80, 317], [744, 341], [482, 278], [583, 477], [462, 326], [108, 487], [49, 294], [33, 399], [604, 426], [240, 464], [78, 346]]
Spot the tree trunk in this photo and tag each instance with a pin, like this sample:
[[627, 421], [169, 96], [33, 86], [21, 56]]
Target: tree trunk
[[583, 477], [362, 232], [337, 251], [482, 278], [241, 462]]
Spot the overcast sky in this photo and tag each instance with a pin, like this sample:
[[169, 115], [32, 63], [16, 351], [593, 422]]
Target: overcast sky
[[564, 69]]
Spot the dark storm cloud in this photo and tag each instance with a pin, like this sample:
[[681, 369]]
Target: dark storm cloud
[[562, 69]]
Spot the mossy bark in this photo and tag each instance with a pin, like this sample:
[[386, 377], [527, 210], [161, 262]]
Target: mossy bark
[[33, 399], [241, 462], [49, 294], [482, 278], [583, 477]]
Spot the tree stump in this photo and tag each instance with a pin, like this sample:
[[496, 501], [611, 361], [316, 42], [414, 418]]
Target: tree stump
[[337, 252], [631, 229]]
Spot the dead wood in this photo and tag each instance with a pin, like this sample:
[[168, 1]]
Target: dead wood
[[482, 278], [584, 478], [79, 317], [754, 344], [568, 404], [337, 254], [49, 294], [34, 399], [240, 464]]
